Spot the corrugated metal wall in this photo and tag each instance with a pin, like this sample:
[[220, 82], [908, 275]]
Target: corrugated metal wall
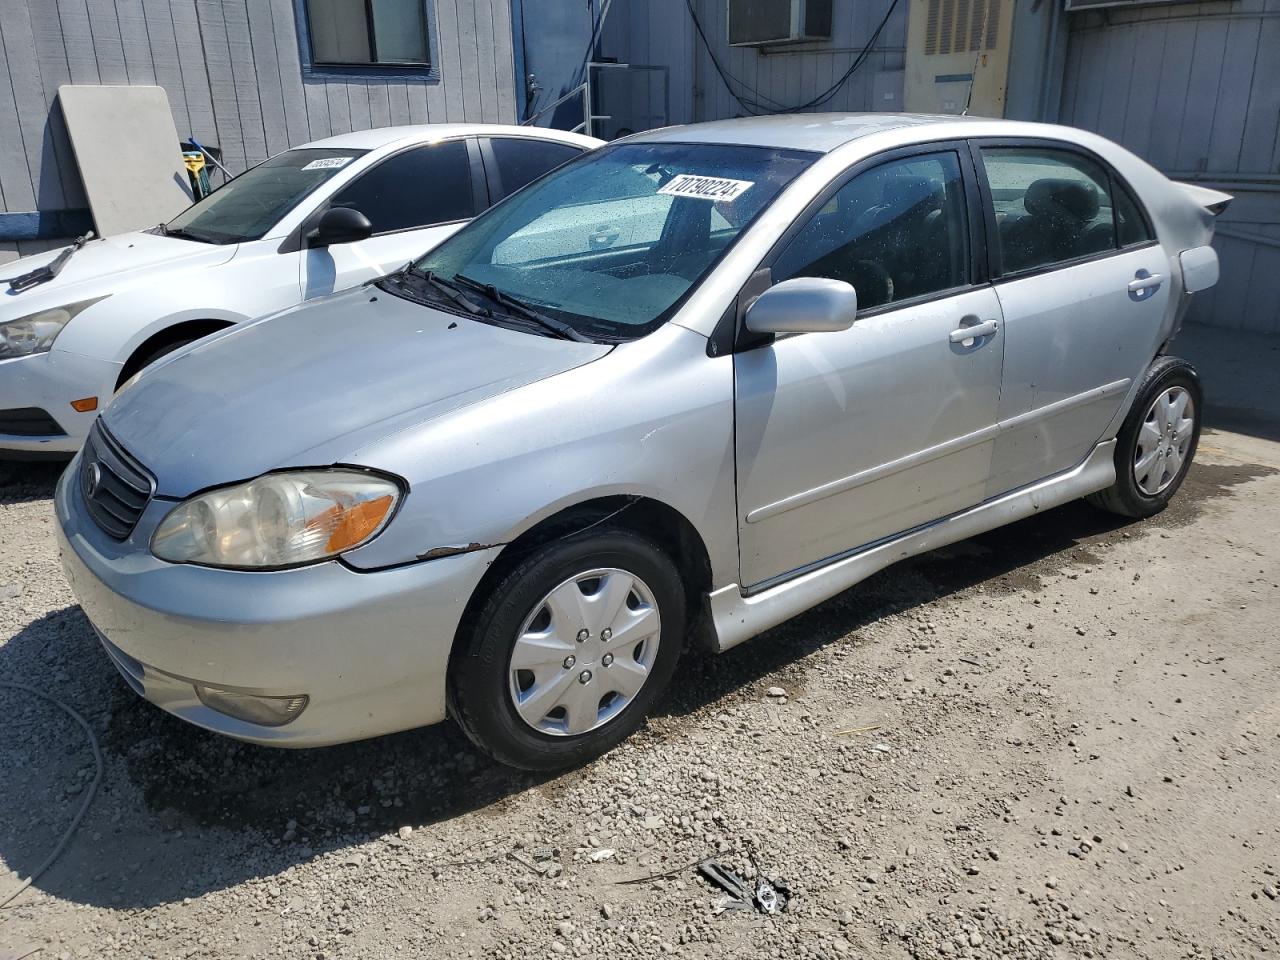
[[236, 78], [662, 32], [1195, 90]]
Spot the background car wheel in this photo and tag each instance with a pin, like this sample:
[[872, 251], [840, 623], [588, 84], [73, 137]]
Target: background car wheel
[[1157, 442], [569, 650], [141, 363]]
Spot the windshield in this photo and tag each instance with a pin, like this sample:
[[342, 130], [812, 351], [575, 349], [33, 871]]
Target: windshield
[[248, 206], [610, 244]]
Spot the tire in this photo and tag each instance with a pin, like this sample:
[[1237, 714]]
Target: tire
[[538, 718], [136, 366], [1144, 486]]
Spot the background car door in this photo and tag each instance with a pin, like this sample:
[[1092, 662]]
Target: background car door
[[512, 162], [1083, 287], [846, 438], [414, 199]]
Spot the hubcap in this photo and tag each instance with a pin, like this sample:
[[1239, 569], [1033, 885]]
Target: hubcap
[[1163, 440], [584, 652]]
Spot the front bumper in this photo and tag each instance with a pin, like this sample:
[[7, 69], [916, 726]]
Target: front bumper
[[50, 381], [370, 650]]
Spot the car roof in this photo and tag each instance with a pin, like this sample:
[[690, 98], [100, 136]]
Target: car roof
[[822, 132], [426, 132]]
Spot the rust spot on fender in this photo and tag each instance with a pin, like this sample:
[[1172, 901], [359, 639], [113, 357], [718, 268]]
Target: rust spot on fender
[[435, 553]]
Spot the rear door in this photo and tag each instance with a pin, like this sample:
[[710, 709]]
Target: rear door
[[846, 438], [1083, 287], [414, 199]]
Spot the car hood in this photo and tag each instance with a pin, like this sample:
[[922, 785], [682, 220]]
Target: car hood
[[309, 386], [104, 266]]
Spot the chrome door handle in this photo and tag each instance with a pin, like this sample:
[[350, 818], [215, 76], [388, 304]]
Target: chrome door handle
[[984, 329], [1143, 283]]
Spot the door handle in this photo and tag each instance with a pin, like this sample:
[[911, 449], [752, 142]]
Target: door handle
[[1144, 284], [972, 332]]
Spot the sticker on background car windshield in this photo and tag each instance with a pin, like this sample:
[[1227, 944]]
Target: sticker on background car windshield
[[706, 188], [328, 163]]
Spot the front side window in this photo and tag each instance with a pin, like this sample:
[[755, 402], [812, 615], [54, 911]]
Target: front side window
[[1051, 206], [895, 232], [415, 188], [611, 244], [359, 32], [522, 161], [248, 206]]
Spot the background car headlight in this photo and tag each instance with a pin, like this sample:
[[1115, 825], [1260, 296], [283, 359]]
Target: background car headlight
[[36, 332], [277, 520]]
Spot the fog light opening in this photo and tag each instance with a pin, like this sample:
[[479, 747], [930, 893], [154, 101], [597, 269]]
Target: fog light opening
[[264, 711]]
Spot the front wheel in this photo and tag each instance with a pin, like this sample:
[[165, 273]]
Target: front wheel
[[1157, 442], [569, 650]]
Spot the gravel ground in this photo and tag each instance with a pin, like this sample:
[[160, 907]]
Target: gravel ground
[[1061, 739]]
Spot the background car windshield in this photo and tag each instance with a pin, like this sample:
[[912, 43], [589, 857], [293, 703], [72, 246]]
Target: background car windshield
[[251, 204], [611, 243]]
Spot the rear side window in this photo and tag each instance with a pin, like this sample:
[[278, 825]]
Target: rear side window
[[1131, 227], [895, 232], [1051, 207], [416, 188], [522, 161]]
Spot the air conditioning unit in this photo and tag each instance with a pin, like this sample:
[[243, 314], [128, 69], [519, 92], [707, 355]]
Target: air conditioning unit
[[958, 56], [755, 23]]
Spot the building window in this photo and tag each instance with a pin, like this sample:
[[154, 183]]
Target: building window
[[368, 32]]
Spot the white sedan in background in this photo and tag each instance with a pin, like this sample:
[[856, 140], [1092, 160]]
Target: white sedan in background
[[76, 324]]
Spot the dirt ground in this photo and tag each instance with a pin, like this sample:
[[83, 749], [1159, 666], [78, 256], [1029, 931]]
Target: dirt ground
[[1060, 739]]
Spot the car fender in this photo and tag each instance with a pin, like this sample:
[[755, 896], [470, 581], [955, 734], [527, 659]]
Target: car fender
[[250, 284], [653, 419]]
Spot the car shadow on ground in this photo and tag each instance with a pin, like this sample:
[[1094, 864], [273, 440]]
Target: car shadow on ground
[[27, 481], [215, 812], [190, 781]]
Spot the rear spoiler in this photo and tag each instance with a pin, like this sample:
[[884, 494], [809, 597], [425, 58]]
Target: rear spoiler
[[1215, 201]]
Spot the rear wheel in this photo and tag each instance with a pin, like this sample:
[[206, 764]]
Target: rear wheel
[[569, 650], [1157, 441]]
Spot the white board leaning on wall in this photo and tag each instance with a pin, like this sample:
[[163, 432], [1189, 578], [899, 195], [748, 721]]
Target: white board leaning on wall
[[129, 155]]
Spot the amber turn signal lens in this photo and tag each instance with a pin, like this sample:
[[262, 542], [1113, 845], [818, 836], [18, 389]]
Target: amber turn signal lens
[[85, 405], [351, 525]]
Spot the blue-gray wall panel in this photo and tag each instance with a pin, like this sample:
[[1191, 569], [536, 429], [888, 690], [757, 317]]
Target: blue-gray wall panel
[[662, 32], [1195, 90]]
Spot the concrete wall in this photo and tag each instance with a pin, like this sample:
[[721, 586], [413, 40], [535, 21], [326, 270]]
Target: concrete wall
[[238, 78]]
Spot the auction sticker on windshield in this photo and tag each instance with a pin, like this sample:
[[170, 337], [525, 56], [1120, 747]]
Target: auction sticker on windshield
[[706, 188], [328, 163]]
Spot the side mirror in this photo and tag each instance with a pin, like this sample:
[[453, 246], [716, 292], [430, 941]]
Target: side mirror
[[339, 225], [804, 305]]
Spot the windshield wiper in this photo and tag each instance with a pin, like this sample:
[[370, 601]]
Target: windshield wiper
[[449, 289], [50, 270], [182, 234], [520, 309]]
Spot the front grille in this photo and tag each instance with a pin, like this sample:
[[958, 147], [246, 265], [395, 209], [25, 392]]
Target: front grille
[[116, 487], [29, 422]]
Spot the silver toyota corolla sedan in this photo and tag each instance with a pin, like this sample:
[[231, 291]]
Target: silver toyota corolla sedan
[[672, 393]]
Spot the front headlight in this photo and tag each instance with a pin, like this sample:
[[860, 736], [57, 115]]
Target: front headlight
[[36, 332], [277, 520]]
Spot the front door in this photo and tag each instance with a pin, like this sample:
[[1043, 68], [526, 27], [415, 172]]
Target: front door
[[846, 438], [414, 199], [1083, 286]]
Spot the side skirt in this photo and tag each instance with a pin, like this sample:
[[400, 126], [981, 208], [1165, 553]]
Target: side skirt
[[737, 616]]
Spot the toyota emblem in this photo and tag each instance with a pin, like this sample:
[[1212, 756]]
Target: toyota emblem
[[92, 477]]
